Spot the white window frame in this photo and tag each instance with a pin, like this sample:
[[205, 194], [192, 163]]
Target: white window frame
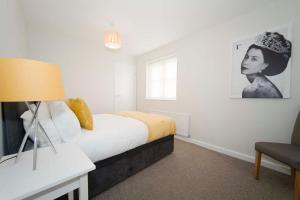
[[147, 77]]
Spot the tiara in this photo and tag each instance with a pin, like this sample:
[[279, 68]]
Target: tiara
[[274, 42]]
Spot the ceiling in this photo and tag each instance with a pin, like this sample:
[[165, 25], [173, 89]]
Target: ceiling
[[144, 24]]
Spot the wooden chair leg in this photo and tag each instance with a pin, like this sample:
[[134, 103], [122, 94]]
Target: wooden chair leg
[[297, 185], [257, 165]]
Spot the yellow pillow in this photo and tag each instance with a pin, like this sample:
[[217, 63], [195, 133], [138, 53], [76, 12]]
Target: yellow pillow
[[82, 112]]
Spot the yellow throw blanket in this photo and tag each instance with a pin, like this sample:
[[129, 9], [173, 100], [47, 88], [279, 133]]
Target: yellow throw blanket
[[158, 125]]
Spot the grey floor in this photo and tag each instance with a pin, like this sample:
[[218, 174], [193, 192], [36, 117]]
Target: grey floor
[[192, 172]]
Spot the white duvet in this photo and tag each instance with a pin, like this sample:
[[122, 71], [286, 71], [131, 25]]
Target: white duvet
[[112, 135]]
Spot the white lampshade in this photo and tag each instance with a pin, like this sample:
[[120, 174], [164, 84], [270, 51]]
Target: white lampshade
[[112, 39]]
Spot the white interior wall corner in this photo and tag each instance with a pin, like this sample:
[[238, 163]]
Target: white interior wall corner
[[203, 83]]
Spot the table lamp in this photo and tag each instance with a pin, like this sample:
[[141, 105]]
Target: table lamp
[[23, 80]]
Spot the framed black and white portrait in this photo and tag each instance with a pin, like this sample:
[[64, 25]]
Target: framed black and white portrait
[[261, 65]]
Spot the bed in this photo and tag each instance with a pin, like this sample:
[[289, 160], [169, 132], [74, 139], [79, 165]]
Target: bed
[[111, 168]]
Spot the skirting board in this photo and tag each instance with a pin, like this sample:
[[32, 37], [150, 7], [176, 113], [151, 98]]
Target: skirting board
[[268, 164]]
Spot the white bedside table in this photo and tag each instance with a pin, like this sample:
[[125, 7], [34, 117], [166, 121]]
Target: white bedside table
[[56, 174]]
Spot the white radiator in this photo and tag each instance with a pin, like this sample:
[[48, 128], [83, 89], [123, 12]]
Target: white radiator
[[182, 121]]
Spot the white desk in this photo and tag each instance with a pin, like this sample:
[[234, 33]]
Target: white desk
[[56, 174]]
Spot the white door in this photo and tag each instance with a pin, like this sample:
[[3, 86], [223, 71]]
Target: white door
[[125, 80]]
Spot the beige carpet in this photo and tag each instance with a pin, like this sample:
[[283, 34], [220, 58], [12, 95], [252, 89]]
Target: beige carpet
[[192, 172]]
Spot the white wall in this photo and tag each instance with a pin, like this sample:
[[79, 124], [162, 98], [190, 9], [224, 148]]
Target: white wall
[[13, 30], [89, 70], [204, 66], [12, 38]]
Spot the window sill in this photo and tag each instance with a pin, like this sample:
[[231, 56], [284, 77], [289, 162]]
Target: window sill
[[159, 99]]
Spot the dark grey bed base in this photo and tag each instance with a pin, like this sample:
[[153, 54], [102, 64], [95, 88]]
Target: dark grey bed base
[[113, 170], [108, 172]]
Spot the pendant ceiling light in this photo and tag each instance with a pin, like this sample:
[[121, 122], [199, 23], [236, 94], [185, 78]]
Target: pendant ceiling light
[[112, 39]]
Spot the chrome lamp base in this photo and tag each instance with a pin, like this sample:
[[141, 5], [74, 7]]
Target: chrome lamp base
[[34, 124]]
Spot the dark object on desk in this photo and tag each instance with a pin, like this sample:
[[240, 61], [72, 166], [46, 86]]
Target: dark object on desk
[[286, 153], [108, 172]]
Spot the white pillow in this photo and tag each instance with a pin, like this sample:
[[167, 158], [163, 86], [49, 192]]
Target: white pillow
[[64, 120], [46, 122], [43, 112]]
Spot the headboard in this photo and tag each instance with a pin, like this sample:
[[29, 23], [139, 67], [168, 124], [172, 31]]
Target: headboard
[[13, 131]]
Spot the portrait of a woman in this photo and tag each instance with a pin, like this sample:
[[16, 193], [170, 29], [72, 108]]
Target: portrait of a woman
[[268, 56]]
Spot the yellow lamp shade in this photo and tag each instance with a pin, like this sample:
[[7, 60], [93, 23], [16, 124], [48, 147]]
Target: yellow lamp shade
[[29, 80], [112, 39]]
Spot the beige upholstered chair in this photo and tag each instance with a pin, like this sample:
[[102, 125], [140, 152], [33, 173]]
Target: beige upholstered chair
[[286, 153]]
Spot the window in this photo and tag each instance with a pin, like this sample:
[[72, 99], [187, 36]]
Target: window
[[161, 79]]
